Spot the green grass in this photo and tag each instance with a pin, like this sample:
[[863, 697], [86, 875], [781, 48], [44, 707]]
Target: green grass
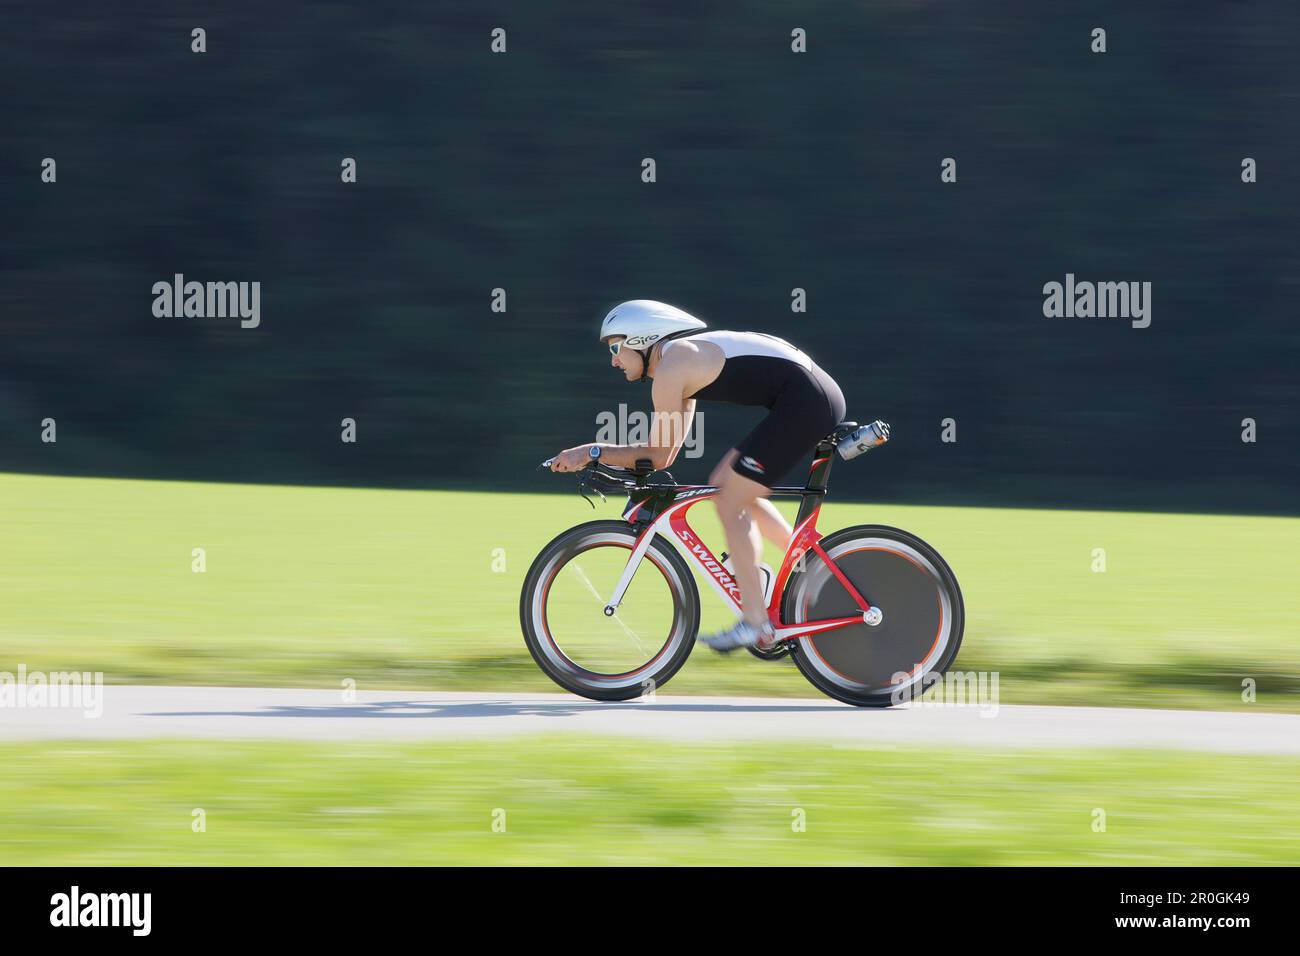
[[596, 800], [310, 586]]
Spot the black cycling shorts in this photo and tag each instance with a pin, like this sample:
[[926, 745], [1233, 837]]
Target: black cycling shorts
[[807, 410]]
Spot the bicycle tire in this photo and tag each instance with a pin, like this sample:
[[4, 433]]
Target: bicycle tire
[[550, 656], [876, 558]]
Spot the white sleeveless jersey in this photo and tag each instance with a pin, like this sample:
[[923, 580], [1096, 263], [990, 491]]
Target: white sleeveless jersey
[[735, 344]]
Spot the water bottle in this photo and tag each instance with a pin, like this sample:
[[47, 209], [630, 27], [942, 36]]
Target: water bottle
[[863, 438]]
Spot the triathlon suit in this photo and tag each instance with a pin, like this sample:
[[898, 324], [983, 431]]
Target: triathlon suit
[[803, 403]]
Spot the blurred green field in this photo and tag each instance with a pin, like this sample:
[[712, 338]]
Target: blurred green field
[[609, 801], [311, 586]]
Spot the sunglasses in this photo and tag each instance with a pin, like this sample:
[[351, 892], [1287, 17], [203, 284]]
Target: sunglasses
[[615, 346]]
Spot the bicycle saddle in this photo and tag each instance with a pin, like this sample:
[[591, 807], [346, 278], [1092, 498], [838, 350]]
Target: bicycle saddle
[[841, 431]]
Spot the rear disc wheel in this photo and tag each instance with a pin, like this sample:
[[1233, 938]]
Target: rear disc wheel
[[922, 616]]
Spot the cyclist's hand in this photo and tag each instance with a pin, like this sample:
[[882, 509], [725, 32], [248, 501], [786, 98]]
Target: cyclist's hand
[[572, 459]]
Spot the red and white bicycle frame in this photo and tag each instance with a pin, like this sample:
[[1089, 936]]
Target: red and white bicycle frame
[[672, 524]]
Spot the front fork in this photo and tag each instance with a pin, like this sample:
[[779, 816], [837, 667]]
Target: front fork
[[629, 569]]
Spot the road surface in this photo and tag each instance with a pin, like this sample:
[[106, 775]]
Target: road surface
[[275, 713]]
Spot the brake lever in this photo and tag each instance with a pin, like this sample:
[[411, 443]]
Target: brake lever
[[583, 486]]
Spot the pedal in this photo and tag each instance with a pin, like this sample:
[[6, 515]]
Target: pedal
[[774, 653]]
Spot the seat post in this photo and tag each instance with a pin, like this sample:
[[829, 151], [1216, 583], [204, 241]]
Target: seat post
[[818, 476], [820, 472]]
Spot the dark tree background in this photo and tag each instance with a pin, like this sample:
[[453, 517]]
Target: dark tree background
[[775, 171]]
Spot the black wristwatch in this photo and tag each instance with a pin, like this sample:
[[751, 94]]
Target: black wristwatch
[[594, 452]]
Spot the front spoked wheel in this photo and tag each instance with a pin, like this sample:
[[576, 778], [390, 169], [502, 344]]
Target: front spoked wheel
[[599, 656], [920, 629]]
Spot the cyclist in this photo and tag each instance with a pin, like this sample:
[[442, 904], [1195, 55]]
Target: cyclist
[[652, 340]]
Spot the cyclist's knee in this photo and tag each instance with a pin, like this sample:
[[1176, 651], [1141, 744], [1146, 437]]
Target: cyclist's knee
[[730, 512], [736, 500], [722, 469], [727, 501]]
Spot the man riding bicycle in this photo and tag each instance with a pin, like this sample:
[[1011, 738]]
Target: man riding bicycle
[[652, 340]]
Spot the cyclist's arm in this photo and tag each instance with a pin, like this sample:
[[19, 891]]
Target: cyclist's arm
[[669, 426]]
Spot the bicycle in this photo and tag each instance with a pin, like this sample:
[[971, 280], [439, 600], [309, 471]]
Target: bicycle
[[867, 613]]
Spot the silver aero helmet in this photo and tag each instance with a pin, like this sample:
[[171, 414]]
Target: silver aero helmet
[[644, 322]]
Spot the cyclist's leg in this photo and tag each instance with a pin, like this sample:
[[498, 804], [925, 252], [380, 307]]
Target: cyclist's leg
[[722, 469], [806, 411], [735, 502], [763, 456], [771, 523], [803, 414]]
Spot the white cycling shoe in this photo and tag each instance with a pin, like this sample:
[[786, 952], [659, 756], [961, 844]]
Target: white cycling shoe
[[741, 634]]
